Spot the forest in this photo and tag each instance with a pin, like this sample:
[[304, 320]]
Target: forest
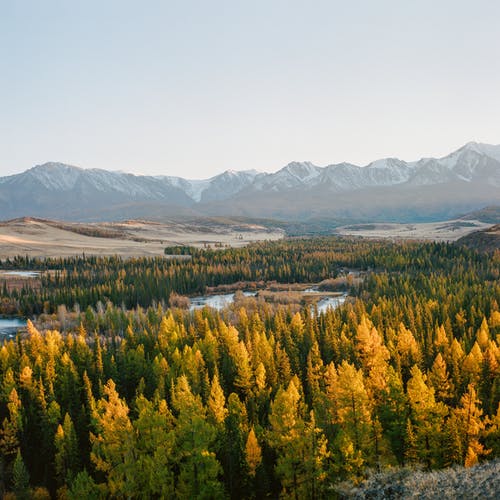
[[113, 392]]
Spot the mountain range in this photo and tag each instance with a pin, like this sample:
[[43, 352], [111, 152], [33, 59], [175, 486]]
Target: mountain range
[[387, 189]]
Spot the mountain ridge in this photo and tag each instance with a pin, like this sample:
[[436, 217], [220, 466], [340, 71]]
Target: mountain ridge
[[466, 179]]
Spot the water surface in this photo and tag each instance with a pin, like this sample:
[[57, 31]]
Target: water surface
[[9, 326], [216, 301], [22, 274], [221, 301]]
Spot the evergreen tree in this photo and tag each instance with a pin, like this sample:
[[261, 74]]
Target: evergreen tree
[[354, 407], [427, 417], [67, 453], [20, 478], [217, 410], [198, 466], [253, 453], [114, 440], [83, 486], [301, 446], [468, 417]]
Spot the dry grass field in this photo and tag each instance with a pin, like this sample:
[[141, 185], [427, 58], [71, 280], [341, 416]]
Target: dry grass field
[[479, 482], [46, 238], [450, 230]]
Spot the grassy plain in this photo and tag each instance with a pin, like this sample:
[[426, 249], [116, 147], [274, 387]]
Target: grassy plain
[[47, 238], [450, 230]]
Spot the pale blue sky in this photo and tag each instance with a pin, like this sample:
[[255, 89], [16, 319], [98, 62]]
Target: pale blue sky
[[193, 88]]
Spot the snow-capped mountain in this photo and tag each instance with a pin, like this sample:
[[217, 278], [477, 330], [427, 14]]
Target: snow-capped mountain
[[468, 178], [293, 175], [227, 184]]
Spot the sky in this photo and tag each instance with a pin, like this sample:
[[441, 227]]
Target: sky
[[193, 88]]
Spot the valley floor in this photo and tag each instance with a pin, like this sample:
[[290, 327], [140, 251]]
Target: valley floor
[[450, 230], [46, 238]]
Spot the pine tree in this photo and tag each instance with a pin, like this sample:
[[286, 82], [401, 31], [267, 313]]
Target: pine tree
[[354, 407], [393, 414], [468, 417], [11, 427], [232, 446], [149, 465], [20, 478], [349, 462], [438, 378], [407, 347], [483, 335], [84, 486], [411, 449], [244, 375], [67, 453], [454, 442], [216, 405], [373, 355], [492, 435], [114, 439], [301, 446], [198, 466], [331, 402], [427, 417], [253, 453], [314, 376], [472, 364]]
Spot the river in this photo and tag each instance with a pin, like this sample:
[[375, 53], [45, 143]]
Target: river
[[21, 274], [216, 301], [221, 301], [9, 326]]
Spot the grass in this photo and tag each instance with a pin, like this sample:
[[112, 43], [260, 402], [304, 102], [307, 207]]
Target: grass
[[481, 481]]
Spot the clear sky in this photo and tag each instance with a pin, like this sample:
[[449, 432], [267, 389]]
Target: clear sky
[[193, 88]]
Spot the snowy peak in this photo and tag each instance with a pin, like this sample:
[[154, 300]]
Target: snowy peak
[[55, 176], [387, 163], [490, 150], [472, 161], [304, 171], [227, 184], [388, 171], [293, 175], [221, 186], [58, 188], [192, 188], [89, 184]]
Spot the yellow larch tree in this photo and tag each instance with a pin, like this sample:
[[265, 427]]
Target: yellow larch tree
[[471, 425]]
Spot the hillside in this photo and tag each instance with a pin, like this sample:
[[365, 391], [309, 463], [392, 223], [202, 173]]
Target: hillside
[[487, 214], [487, 240]]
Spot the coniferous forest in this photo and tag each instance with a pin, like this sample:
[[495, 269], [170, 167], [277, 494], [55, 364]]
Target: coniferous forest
[[115, 392]]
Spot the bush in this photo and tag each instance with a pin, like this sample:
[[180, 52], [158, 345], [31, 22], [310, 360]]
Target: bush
[[481, 481]]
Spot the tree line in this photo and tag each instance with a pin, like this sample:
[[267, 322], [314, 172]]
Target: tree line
[[84, 281]]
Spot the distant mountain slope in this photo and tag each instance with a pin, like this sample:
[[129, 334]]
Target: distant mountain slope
[[487, 214], [388, 189], [487, 240]]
